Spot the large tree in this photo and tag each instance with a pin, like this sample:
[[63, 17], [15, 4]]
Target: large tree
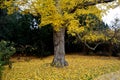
[[61, 14]]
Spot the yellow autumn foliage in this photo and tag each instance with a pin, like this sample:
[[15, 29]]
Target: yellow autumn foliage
[[91, 9], [80, 68], [48, 11], [74, 27], [69, 4], [94, 37], [57, 15]]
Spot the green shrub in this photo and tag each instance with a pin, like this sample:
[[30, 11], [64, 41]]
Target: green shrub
[[6, 51]]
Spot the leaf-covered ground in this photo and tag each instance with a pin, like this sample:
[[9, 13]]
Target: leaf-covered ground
[[80, 68], [110, 76]]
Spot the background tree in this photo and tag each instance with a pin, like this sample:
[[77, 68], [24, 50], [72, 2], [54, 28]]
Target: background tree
[[97, 33], [23, 31], [60, 14], [93, 34], [113, 34]]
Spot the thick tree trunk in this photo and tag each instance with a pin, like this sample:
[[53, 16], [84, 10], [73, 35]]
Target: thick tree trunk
[[59, 48]]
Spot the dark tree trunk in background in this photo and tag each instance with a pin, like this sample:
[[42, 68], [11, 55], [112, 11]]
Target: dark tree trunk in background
[[110, 49], [59, 48]]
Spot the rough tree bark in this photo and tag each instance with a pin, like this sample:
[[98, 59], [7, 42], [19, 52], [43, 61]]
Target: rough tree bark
[[59, 48], [59, 43]]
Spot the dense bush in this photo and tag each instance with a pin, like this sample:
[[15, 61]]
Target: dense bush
[[6, 51]]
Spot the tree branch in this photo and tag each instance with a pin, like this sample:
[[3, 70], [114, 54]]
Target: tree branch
[[92, 48], [97, 2], [86, 4]]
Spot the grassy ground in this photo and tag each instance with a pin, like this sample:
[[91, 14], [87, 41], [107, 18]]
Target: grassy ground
[[80, 68]]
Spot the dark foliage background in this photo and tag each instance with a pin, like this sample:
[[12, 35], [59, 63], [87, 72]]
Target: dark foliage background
[[33, 41]]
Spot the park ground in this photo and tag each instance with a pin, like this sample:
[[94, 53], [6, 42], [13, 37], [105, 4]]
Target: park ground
[[80, 68]]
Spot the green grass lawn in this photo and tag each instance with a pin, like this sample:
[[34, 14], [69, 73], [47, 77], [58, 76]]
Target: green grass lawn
[[80, 68]]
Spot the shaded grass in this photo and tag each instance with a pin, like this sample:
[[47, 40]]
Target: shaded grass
[[80, 68]]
